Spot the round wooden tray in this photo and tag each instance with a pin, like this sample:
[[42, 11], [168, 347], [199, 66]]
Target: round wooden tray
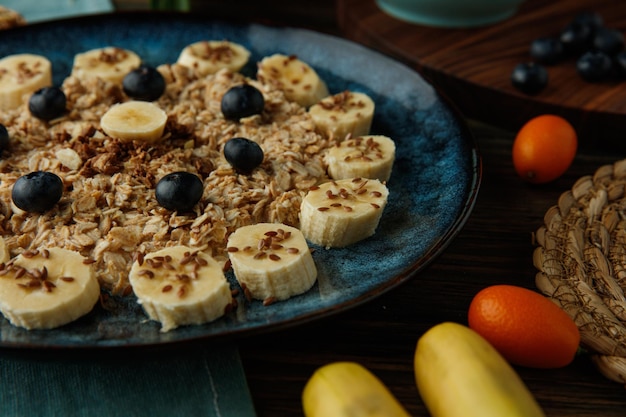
[[473, 66]]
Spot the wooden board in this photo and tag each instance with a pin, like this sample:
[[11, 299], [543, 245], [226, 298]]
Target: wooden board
[[473, 67]]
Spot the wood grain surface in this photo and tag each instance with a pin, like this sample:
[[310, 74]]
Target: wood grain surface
[[473, 66]]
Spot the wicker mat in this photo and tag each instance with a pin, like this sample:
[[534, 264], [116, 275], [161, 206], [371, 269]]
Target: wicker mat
[[581, 258]]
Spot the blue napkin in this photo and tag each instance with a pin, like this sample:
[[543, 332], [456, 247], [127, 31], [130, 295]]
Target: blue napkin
[[203, 382], [38, 10]]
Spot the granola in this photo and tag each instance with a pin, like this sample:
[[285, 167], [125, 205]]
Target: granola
[[109, 212]]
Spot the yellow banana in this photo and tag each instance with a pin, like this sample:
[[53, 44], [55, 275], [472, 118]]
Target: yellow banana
[[458, 373], [347, 389]]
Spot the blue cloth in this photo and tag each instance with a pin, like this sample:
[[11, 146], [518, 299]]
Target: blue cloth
[[38, 10], [203, 382]]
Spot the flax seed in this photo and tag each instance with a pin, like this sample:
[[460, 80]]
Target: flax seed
[[269, 301], [147, 273], [167, 288]]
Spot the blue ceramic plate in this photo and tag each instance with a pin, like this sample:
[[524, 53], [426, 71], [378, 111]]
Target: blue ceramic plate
[[433, 186]]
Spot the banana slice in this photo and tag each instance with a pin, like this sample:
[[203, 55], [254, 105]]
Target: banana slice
[[47, 288], [362, 157], [179, 285], [109, 63], [20, 76], [340, 213], [295, 78], [208, 57], [134, 120], [271, 261], [343, 114]]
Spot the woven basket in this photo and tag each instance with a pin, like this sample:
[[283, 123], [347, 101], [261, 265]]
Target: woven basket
[[581, 258]]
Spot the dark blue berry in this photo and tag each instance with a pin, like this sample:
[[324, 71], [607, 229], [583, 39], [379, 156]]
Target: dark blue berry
[[576, 38], [242, 101], [620, 63], [144, 83], [47, 103], [547, 50], [37, 192], [179, 191], [243, 154], [594, 66], [4, 138], [529, 77], [608, 40], [590, 19]]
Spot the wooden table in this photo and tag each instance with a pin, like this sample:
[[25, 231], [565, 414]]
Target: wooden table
[[494, 247], [467, 63]]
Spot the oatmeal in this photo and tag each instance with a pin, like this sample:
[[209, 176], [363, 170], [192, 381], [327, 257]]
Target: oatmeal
[[108, 211]]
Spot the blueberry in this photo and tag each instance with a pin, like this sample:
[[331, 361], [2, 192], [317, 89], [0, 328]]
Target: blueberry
[[608, 40], [547, 50], [590, 19], [594, 66], [576, 38], [4, 138], [144, 83], [242, 101], [179, 191], [529, 77], [243, 154], [620, 63], [37, 192], [47, 103]]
